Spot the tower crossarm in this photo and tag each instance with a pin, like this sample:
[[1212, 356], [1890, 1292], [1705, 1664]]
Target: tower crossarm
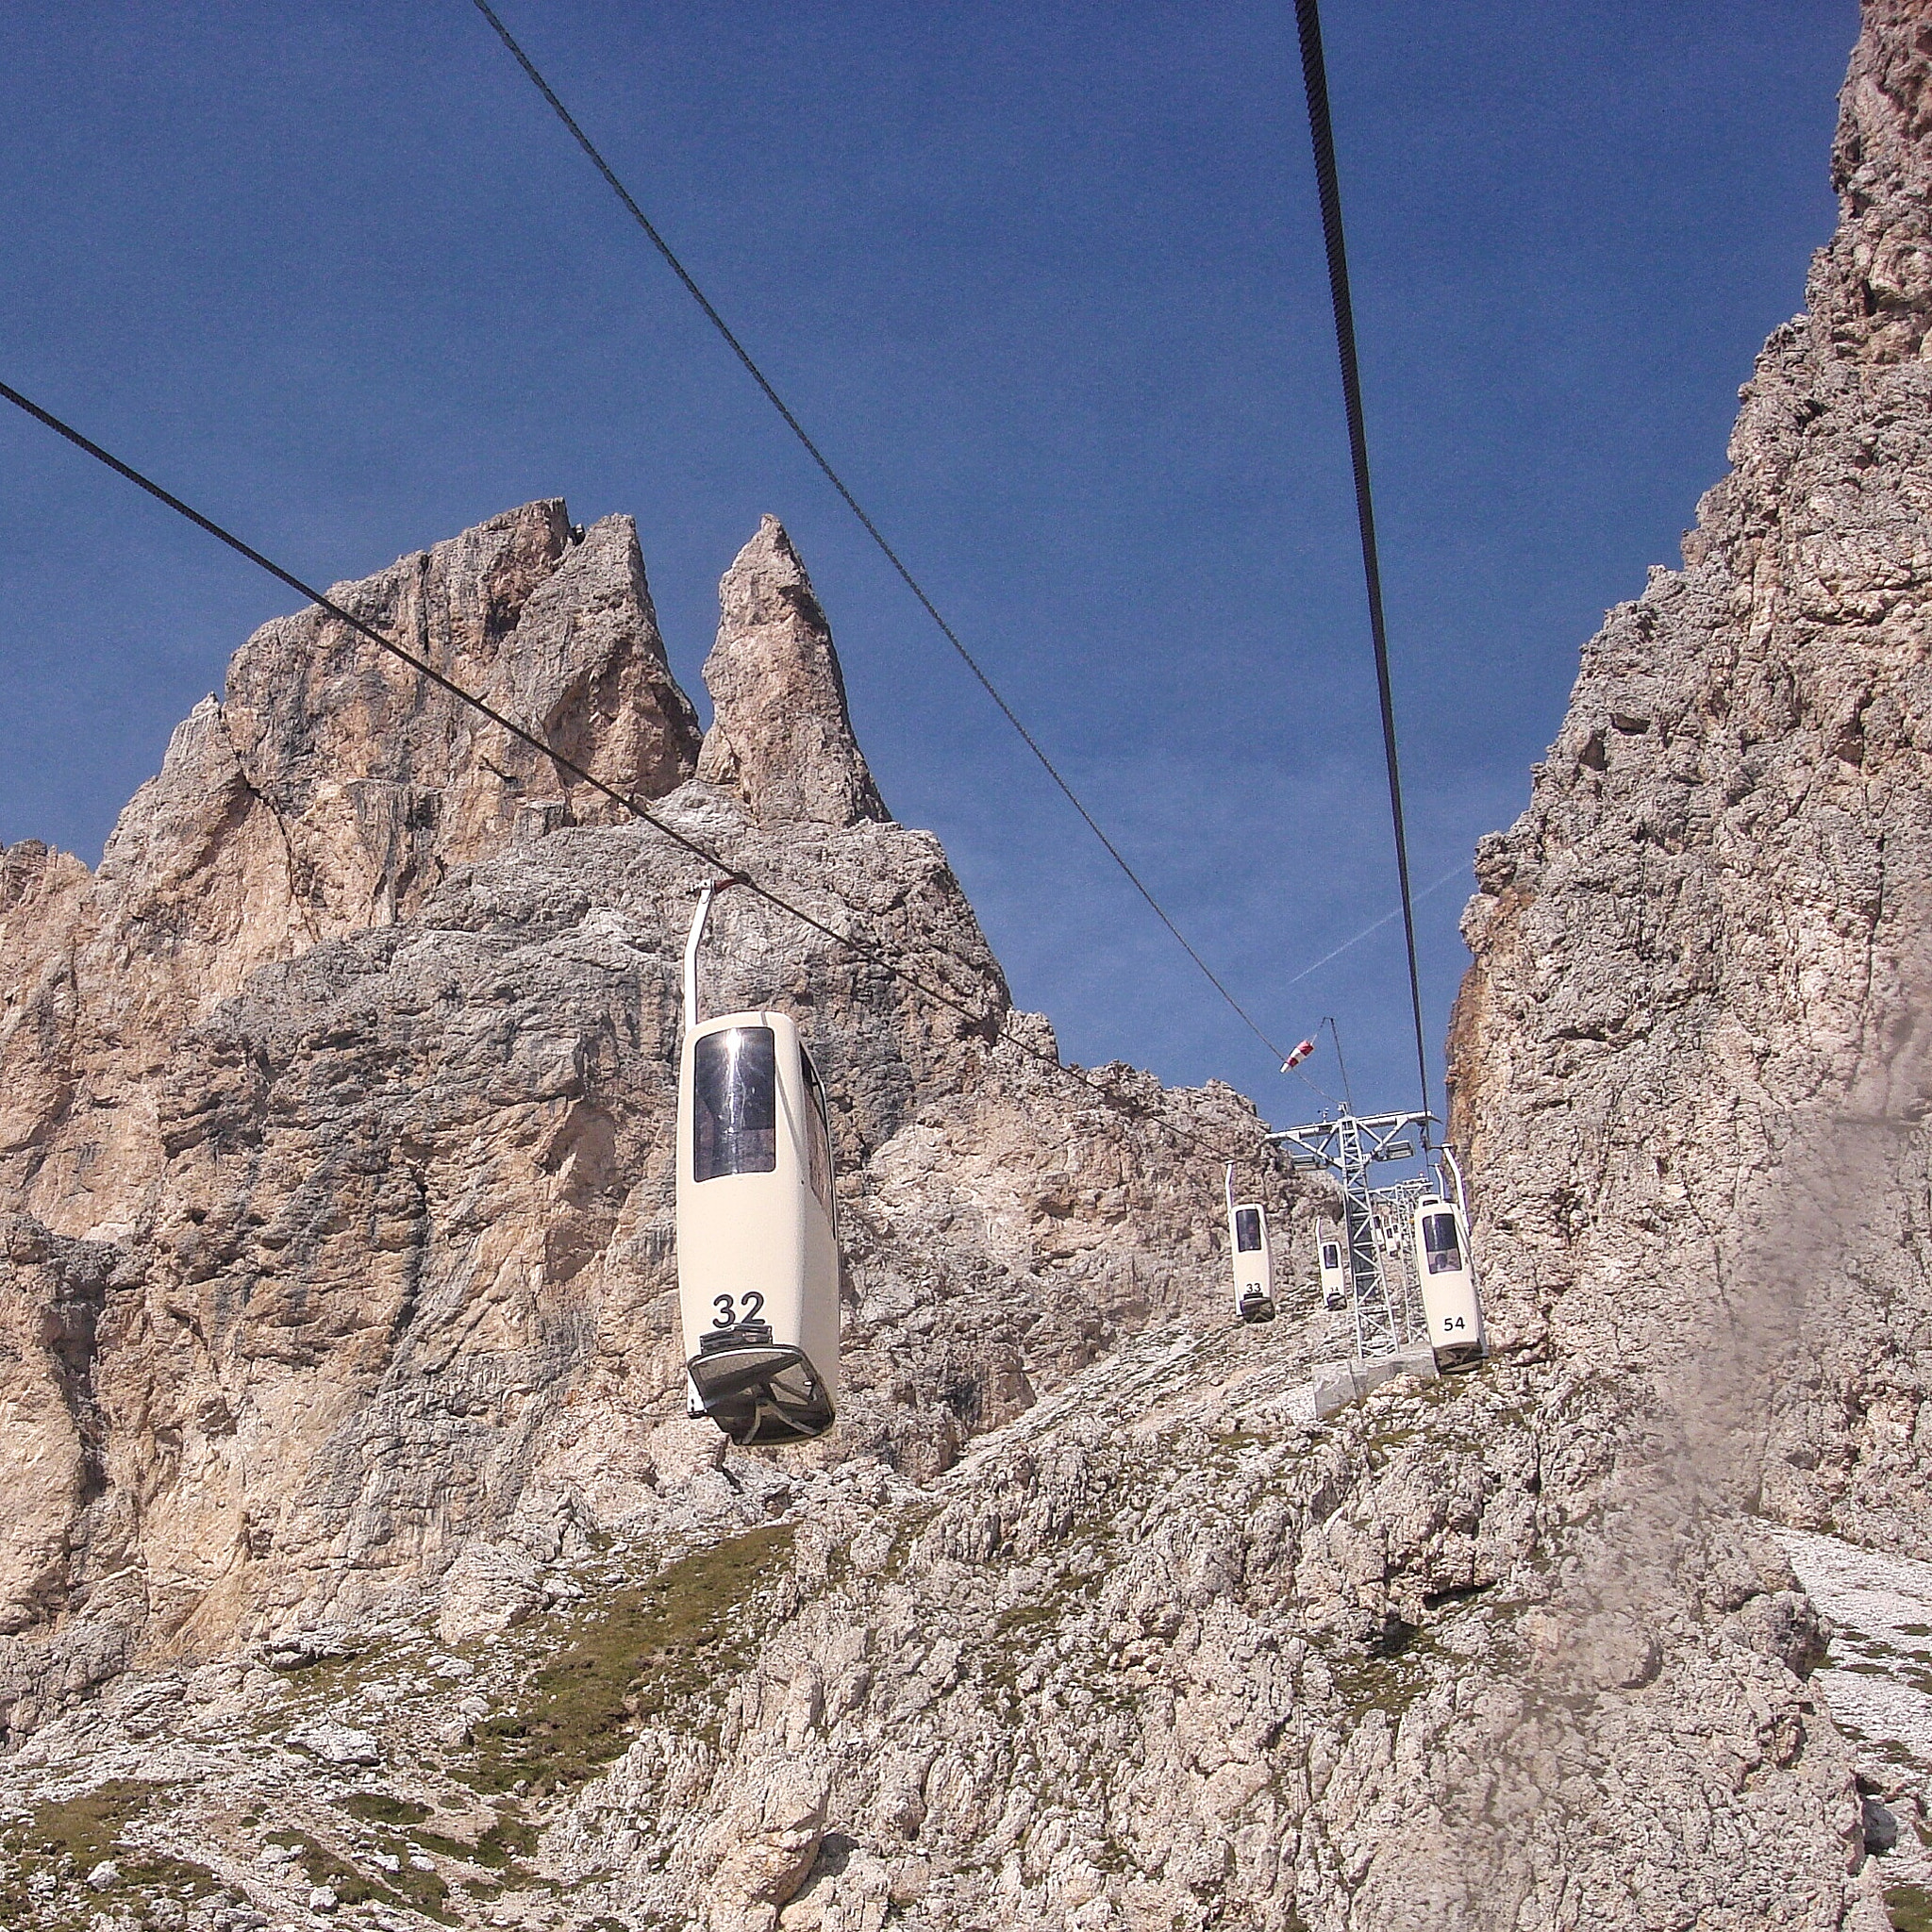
[[1328, 1143], [1318, 1144]]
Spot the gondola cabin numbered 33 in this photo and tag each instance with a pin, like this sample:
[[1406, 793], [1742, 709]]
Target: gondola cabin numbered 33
[[1254, 1262], [758, 1242]]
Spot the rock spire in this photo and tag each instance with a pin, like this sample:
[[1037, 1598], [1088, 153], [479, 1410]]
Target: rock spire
[[331, 789], [335, 1191], [781, 737]]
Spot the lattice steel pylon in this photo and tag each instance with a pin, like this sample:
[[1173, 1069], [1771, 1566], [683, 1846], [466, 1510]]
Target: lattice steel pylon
[[1347, 1147], [1394, 1209]]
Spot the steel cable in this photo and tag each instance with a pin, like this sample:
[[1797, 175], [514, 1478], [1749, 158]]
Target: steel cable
[[857, 509], [624, 800], [1322, 132]]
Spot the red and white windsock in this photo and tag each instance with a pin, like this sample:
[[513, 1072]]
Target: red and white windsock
[[1297, 1054]]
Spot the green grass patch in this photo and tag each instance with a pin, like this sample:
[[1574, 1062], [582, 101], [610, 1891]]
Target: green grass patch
[[1386, 1673], [88, 1827], [634, 1656], [1910, 1907], [383, 1807], [410, 1889], [71, 1836], [504, 1843], [498, 1849]]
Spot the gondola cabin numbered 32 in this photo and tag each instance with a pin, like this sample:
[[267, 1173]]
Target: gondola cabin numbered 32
[[758, 1247], [758, 1239]]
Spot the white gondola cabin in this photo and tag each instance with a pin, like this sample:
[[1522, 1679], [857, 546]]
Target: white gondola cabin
[[1253, 1263], [1448, 1283], [758, 1242], [1334, 1276]]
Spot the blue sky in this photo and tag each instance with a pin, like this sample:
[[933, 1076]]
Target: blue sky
[[1046, 282]]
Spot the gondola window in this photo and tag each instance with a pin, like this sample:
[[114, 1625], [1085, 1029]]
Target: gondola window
[[1247, 1231], [735, 1109], [1439, 1240], [818, 1140]]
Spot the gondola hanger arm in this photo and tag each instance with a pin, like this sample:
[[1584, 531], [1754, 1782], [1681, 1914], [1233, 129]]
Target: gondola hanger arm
[[712, 887]]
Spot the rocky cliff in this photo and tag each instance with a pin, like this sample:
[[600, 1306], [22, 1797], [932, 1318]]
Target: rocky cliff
[[362, 1568], [343, 1091], [362, 1564], [1690, 1061]]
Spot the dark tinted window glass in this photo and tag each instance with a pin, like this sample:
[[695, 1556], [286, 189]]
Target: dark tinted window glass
[[818, 1140], [1331, 1255], [1439, 1238], [735, 1102], [1247, 1229]]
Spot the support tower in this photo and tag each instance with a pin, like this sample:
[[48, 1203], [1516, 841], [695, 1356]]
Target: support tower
[[1347, 1147]]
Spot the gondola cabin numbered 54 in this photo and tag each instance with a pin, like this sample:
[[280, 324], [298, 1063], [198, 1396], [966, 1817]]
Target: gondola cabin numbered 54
[[1328, 1265], [1448, 1284]]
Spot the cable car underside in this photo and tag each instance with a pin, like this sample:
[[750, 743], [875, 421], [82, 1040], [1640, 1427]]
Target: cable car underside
[[759, 1390]]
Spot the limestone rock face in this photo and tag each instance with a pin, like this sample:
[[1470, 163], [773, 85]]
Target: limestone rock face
[[44, 895], [780, 737], [341, 1104], [335, 785], [1689, 1063], [330, 790], [1157, 1651]]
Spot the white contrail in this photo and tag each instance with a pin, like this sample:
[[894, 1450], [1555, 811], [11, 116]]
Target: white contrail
[[1455, 870]]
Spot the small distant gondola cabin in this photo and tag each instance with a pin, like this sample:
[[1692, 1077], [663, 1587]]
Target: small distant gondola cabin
[[1334, 1276]]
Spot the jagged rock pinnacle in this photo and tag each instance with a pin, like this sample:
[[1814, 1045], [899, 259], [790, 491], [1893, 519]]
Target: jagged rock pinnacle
[[782, 737], [333, 786]]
